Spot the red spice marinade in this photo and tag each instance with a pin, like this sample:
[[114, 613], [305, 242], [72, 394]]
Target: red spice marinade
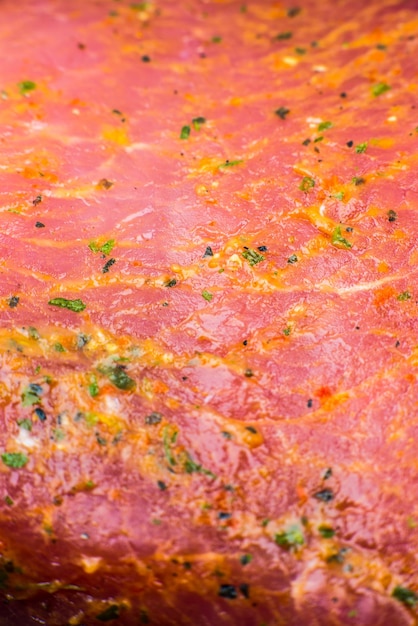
[[208, 313]]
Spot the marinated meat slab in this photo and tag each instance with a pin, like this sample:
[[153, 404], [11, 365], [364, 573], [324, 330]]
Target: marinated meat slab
[[208, 313]]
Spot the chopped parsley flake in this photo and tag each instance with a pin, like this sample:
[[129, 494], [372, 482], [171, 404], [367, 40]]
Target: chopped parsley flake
[[405, 295], [15, 460], [119, 377], [326, 531], [252, 256], [324, 126], [31, 395], [307, 183], [405, 595], [361, 147], [245, 559], [73, 305], [229, 163], [185, 132], [207, 295], [285, 35], [198, 122], [26, 86], [380, 88], [25, 423], [338, 240], [292, 537], [105, 248]]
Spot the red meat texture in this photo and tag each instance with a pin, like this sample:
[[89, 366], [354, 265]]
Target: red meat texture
[[208, 313]]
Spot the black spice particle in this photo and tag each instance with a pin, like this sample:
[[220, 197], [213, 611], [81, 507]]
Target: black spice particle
[[245, 342], [162, 485], [282, 112], [392, 216], [107, 265], [245, 590], [327, 473], [153, 418], [171, 283], [251, 429], [248, 373], [37, 200], [343, 94], [208, 252], [397, 344], [350, 144], [39, 225], [325, 495], [309, 403], [306, 142], [228, 591], [223, 515], [262, 248], [13, 302], [41, 414], [145, 58]]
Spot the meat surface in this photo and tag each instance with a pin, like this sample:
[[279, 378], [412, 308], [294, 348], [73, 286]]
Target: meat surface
[[208, 313]]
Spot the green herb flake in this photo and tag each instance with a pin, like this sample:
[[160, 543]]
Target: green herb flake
[[25, 423], [324, 126], [15, 460], [265, 522], [282, 112], [8, 501], [358, 180], [287, 331], [26, 86], [307, 183], [207, 295], [119, 378], [198, 122], [405, 595], [326, 531], [245, 559], [380, 88], [31, 395], [361, 147], [105, 248], [58, 347], [72, 305], [229, 163], [33, 333], [405, 295], [185, 132], [169, 437], [252, 256], [300, 51], [292, 537], [108, 246], [285, 35], [109, 614], [339, 195], [93, 387], [216, 39], [338, 240]]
